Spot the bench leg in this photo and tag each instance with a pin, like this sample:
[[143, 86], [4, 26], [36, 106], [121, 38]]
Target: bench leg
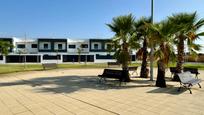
[[190, 90], [196, 76], [199, 85], [100, 79], [179, 89]]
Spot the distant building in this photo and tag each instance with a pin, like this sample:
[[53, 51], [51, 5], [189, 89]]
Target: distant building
[[58, 50]]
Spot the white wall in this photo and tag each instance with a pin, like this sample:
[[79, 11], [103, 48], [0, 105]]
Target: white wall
[[28, 47], [78, 44], [3, 61]]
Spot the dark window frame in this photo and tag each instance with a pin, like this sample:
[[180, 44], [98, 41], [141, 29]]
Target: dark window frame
[[46, 44], [84, 45], [51, 57], [96, 48], [1, 57], [20, 45], [34, 46], [72, 46], [59, 48], [108, 46]]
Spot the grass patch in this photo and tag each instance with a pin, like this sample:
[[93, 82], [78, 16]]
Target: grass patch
[[9, 68]]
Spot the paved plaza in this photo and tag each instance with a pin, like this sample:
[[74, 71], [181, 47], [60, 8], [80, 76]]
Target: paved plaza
[[77, 92]]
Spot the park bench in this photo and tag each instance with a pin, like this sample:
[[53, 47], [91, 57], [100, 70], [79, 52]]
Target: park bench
[[192, 70], [187, 81], [133, 69], [111, 73], [49, 66], [173, 70], [111, 64]]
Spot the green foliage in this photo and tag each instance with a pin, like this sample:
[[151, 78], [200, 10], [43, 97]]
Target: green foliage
[[4, 47], [187, 25], [123, 28]]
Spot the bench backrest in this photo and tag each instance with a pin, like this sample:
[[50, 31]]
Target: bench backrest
[[192, 70], [173, 69], [49, 65], [185, 77], [113, 63], [132, 68], [113, 73]]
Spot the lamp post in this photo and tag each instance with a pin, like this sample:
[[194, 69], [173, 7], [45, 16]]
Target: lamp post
[[152, 47]]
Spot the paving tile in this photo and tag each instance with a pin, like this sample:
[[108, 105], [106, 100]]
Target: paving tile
[[25, 113], [16, 110], [35, 96]]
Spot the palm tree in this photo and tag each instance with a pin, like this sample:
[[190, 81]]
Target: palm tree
[[141, 30], [161, 33], [79, 50], [186, 27], [123, 27]]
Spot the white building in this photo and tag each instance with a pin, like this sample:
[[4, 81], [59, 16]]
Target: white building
[[58, 50]]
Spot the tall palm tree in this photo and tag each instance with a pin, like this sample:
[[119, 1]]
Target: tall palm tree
[[161, 33], [141, 30], [122, 26], [186, 28]]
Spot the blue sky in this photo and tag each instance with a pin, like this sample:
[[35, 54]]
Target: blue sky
[[80, 18]]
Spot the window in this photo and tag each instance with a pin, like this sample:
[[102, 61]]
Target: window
[[51, 57], [34, 46], [95, 46], [59, 46], [21, 46], [1, 57], [84, 45], [108, 56], [108, 46], [72, 46], [45, 46]]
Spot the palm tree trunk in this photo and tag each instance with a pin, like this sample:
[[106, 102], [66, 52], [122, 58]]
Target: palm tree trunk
[[180, 57], [143, 72], [125, 63], [161, 74]]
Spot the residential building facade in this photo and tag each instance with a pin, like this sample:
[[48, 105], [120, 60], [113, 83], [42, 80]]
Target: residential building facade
[[58, 50]]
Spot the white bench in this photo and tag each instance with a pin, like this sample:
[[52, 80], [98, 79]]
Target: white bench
[[187, 81]]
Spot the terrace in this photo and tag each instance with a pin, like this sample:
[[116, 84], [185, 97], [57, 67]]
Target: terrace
[[77, 91]]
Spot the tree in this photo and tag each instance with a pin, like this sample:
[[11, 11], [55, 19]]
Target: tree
[[4, 47], [79, 50], [186, 27], [161, 33], [123, 27], [141, 30]]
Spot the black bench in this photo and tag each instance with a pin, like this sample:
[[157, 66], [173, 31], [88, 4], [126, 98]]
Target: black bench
[[133, 69], [173, 70], [111, 73], [49, 66], [192, 70], [110, 64]]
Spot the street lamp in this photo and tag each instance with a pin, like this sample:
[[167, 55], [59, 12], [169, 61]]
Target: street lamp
[[152, 47]]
